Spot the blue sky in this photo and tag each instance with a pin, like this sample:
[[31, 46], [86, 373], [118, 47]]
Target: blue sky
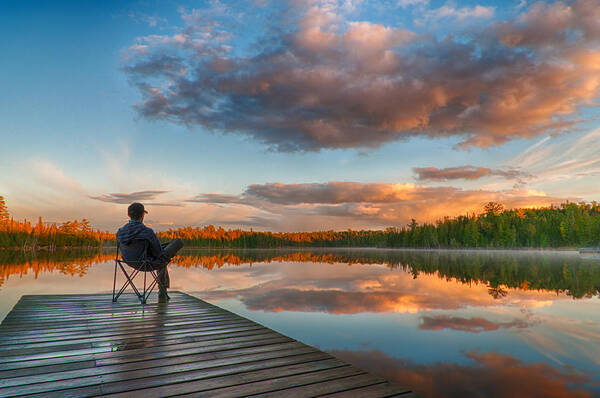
[[78, 123]]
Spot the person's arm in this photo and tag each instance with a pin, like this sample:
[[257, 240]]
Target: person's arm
[[155, 246]]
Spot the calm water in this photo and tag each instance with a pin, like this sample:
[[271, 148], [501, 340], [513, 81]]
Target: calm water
[[444, 323]]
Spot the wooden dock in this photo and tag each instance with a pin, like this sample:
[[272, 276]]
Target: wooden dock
[[85, 345]]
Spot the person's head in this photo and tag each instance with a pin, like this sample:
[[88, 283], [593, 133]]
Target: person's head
[[136, 211]]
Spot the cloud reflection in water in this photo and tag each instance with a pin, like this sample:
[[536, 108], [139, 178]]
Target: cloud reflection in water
[[489, 374]]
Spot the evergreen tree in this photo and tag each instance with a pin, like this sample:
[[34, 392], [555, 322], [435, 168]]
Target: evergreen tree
[[4, 215]]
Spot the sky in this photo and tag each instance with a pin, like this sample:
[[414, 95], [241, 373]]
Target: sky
[[295, 115]]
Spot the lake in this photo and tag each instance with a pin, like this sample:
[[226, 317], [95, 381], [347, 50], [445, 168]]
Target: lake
[[443, 323]]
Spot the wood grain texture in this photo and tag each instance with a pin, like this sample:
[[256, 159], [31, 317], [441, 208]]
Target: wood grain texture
[[85, 345]]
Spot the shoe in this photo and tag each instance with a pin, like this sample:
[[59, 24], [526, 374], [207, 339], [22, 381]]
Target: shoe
[[163, 298]]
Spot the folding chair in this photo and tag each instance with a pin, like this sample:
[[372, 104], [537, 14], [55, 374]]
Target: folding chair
[[143, 265]]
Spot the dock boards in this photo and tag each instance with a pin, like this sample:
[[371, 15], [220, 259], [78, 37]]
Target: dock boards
[[85, 345]]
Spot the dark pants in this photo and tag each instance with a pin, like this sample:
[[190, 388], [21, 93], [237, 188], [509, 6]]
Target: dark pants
[[169, 251]]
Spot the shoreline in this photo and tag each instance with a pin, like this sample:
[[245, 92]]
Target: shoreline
[[305, 248]]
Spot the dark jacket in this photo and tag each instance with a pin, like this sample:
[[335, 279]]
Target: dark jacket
[[137, 230]]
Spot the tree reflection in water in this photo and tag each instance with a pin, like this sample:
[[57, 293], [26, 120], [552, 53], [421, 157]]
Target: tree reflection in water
[[559, 272], [68, 262]]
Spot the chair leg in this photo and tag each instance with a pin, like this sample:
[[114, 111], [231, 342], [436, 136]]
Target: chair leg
[[129, 277], [148, 287], [130, 282], [115, 283], [132, 277]]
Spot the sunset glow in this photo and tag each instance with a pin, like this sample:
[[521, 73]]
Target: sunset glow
[[300, 197], [297, 115]]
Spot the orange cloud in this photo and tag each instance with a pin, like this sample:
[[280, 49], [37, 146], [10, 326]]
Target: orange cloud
[[331, 82], [336, 203]]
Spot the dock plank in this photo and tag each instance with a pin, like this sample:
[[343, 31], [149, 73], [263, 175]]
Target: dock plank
[[280, 382], [84, 361], [374, 391], [86, 345]]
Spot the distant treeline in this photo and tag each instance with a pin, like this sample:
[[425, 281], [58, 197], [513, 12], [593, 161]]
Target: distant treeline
[[24, 234], [567, 225]]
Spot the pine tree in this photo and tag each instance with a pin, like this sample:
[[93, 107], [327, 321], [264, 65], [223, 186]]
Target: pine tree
[[4, 215]]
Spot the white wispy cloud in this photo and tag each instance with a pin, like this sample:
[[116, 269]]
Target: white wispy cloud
[[49, 176], [459, 14], [572, 157]]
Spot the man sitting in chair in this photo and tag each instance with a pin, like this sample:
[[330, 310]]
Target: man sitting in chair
[[159, 254]]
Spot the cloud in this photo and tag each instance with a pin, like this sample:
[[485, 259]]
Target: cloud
[[471, 325], [334, 192], [215, 198], [150, 20], [467, 172], [346, 204], [157, 64], [411, 3], [319, 80], [564, 158], [553, 25], [344, 192], [490, 374], [459, 14], [42, 187], [252, 221], [127, 198], [201, 36], [53, 178]]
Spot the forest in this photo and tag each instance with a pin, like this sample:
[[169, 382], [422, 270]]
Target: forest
[[25, 235], [569, 225]]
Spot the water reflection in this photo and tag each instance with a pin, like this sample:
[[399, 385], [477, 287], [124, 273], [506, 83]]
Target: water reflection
[[488, 374], [445, 323], [471, 325], [561, 272], [68, 262], [564, 272]]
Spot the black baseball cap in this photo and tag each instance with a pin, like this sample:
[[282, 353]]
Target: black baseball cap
[[135, 210]]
